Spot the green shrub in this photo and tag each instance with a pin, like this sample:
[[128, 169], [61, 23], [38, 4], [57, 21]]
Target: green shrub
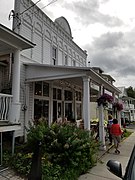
[[126, 133], [67, 151]]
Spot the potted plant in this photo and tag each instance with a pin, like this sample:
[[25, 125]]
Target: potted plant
[[118, 106], [104, 99]]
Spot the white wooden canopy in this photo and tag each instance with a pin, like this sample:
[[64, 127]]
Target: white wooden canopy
[[74, 74]]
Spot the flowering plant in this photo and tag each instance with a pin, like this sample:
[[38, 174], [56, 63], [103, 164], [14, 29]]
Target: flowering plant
[[104, 99], [118, 106]]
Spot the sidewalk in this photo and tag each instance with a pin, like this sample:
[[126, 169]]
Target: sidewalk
[[100, 171]]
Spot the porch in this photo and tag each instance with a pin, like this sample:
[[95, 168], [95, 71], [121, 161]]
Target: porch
[[5, 106], [70, 80]]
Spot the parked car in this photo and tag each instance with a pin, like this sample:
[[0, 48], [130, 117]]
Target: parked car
[[115, 167]]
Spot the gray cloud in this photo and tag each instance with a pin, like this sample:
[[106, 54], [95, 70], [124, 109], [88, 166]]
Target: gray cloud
[[87, 12], [6, 7], [108, 40], [114, 53]]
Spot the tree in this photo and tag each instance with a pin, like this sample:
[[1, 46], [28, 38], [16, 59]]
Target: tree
[[130, 92]]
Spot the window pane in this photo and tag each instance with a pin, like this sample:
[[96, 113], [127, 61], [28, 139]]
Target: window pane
[[74, 63], [59, 94], [59, 110], [78, 96], [133, 170], [54, 52], [46, 109], [37, 109], [54, 55], [54, 93], [66, 59], [79, 110], [68, 111], [38, 88], [45, 89], [68, 95], [41, 109]]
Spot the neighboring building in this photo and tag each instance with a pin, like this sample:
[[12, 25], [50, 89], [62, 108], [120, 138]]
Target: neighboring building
[[128, 112], [95, 94], [46, 75]]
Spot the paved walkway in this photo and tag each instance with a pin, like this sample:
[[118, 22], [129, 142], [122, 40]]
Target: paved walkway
[[99, 172], [8, 174]]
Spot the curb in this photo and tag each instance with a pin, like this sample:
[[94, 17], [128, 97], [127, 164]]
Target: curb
[[110, 147]]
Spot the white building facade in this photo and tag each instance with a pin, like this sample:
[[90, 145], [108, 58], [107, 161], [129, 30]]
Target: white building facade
[[49, 77]]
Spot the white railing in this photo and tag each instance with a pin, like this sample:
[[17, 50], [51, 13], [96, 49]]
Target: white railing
[[131, 106], [5, 104], [128, 106]]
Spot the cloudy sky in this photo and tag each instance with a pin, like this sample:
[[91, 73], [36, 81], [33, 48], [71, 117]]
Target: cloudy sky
[[105, 28]]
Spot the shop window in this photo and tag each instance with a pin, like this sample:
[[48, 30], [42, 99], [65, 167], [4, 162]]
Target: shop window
[[78, 96], [68, 95], [79, 110], [45, 89], [59, 94], [54, 93], [38, 88], [68, 111], [59, 110], [41, 109], [42, 89]]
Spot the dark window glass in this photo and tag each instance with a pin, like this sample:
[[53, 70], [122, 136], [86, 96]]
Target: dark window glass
[[59, 110], [41, 109], [46, 109], [68, 111], [38, 88], [74, 63], [78, 96], [59, 94], [54, 55], [45, 89], [79, 110], [66, 59], [68, 95], [54, 93]]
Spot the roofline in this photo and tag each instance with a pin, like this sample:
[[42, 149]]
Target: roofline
[[14, 34], [88, 69]]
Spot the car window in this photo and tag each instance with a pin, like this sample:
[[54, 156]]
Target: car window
[[130, 170], [133, 171]]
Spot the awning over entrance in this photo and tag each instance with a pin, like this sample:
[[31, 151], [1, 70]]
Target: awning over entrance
[[72, 74]]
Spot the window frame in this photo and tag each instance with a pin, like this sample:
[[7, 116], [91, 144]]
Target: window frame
[[54, 55]]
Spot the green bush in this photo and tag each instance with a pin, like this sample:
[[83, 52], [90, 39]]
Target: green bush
[[67, 151], [126, 133]]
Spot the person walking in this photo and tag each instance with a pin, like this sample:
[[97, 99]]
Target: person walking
[[116, 133], [110, 122]]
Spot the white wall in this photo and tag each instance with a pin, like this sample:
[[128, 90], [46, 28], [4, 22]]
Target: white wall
[[41, 30]]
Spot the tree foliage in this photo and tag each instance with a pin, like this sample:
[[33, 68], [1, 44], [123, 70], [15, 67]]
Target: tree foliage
[[131, 92]]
